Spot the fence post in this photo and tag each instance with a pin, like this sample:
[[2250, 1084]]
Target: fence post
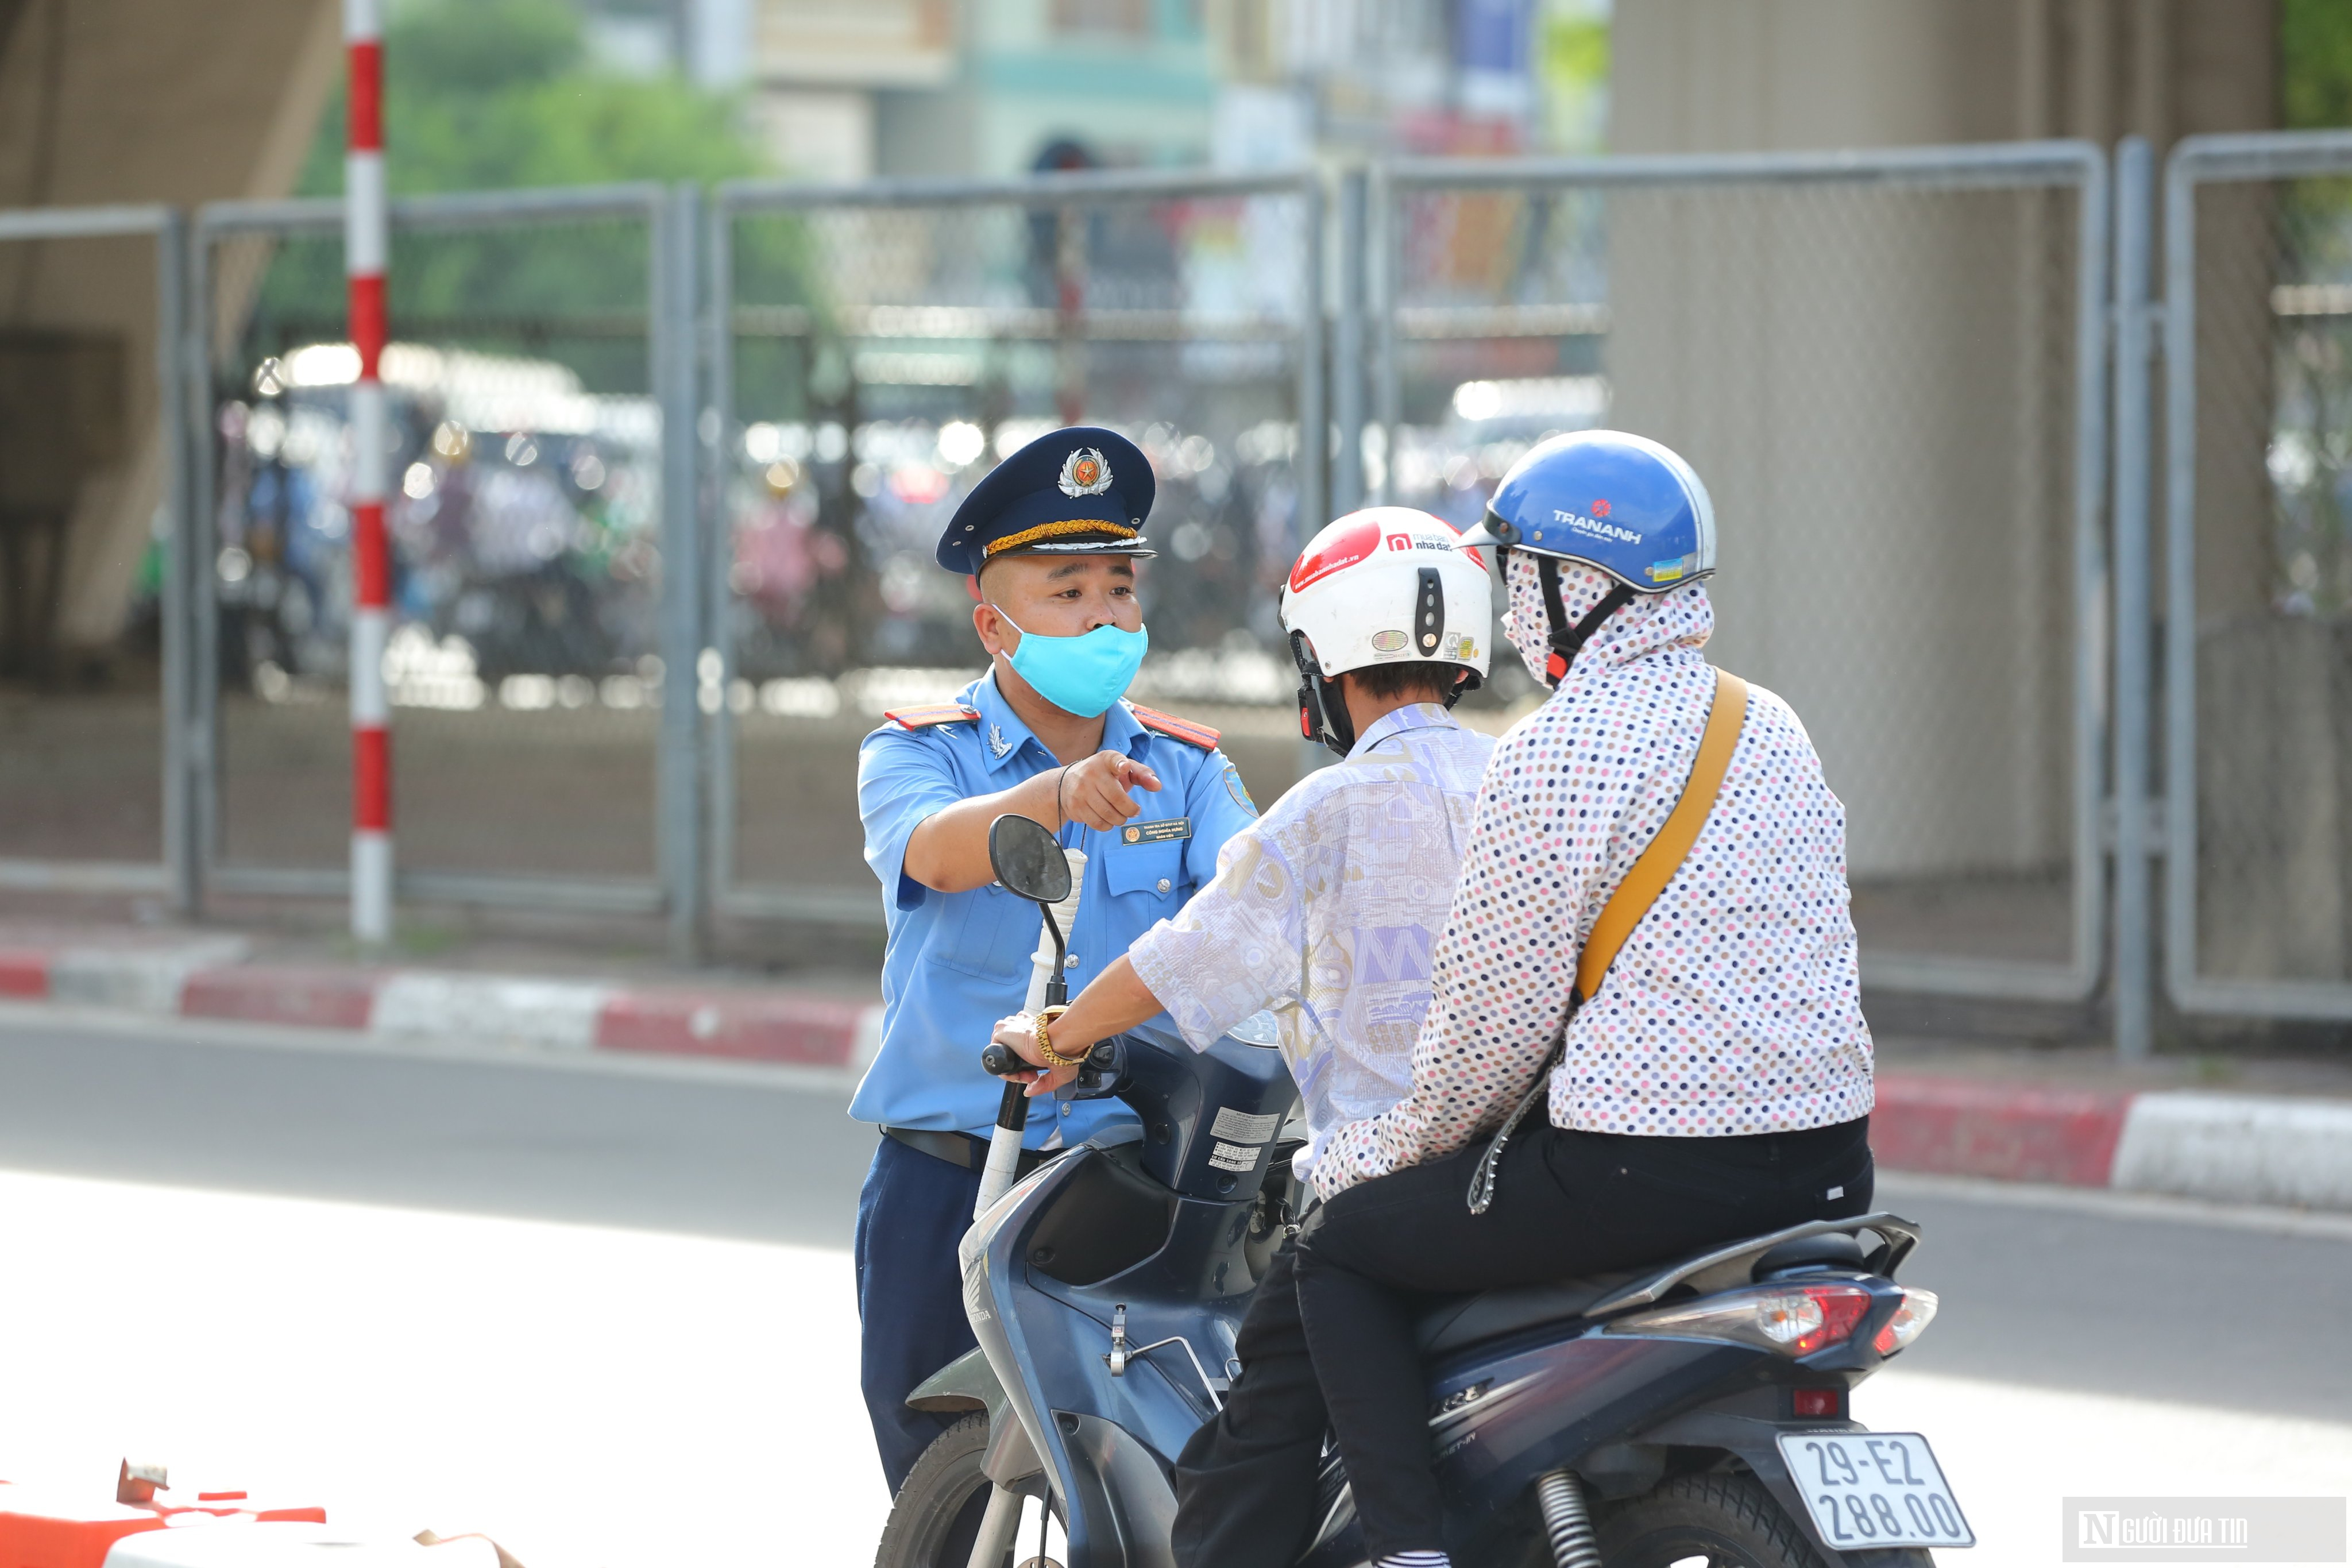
[[2134, 1000], [180, 576], [678, 776], [1314, 406], [2094, 275], [1313, 466], [1347, 349], [1384, 251], [199, 433], [2181, 578], [719, 454]]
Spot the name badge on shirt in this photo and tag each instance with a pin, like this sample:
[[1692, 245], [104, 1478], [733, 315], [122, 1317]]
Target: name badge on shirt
[[1160, 831]]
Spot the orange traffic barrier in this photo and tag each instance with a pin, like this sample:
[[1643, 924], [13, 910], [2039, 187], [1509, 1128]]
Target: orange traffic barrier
[[40, 1528]]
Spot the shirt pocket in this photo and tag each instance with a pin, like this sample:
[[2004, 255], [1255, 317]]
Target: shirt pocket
[[1157, 869], [992, 936]]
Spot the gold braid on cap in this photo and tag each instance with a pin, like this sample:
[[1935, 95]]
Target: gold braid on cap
[[1058, 530]]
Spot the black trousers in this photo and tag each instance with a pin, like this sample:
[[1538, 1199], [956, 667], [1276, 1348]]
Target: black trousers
[[1566, 1203], [1246, 1482], [910, 1214]]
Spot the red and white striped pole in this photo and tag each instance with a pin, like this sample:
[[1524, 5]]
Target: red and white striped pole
[[365, 227]]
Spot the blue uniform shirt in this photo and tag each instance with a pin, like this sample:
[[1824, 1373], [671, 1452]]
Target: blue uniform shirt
[[956, 963]]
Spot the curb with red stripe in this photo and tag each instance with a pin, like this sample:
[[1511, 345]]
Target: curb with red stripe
[[2225, 1148], [208, 979], [1969, 1127]]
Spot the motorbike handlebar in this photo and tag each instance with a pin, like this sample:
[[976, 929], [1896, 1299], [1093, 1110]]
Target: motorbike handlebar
[[996, 1061]]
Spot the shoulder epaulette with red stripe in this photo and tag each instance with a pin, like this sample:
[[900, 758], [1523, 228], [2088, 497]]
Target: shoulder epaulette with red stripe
[[931, 713], [1200, 736]]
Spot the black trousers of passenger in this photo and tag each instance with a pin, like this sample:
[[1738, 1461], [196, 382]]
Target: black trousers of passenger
[[1246, 1482], [1566, 1203]]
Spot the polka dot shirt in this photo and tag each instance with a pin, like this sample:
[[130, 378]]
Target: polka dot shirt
[[1735, 1006]]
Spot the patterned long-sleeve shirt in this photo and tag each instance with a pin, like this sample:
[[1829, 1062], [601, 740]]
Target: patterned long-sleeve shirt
[[1325, 911], [1735, 1006]]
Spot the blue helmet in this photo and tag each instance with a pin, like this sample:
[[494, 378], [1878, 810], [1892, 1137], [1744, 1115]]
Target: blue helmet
[[1622, 504]]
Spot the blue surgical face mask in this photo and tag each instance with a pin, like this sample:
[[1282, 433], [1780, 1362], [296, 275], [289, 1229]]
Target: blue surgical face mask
[[1081, 675]]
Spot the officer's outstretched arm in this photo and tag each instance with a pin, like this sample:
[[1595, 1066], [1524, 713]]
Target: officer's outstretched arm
[[949, 852]]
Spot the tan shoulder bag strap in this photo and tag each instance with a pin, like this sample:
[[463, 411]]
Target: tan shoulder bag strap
[[1658, 863], [1653, 869]]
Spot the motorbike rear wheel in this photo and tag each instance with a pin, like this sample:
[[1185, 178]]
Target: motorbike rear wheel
[[936, 1516], [1723, 1521]]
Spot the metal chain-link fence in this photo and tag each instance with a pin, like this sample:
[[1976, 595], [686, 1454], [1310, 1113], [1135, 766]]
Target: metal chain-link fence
[[526, 668], [876, 351], [93, 793], [1888, 368], [2258, 572]]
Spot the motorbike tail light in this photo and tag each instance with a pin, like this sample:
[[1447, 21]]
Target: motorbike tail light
[[1794, 1319], [1918, 1310], [1814, 1316]]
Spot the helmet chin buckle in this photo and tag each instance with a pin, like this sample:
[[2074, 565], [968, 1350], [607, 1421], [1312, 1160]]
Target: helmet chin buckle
[[1567, 641], [1322, 712]]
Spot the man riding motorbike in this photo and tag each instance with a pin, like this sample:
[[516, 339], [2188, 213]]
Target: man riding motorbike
[[1322, 910], [1716, 1084]]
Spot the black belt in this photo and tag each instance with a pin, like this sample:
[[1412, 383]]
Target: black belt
[[962, 1149]]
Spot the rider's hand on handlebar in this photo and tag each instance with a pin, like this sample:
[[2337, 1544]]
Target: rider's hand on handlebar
[[1094, 790], [1018, 1033]]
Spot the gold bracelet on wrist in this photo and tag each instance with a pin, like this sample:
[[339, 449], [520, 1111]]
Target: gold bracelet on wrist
[[1054, 1059]]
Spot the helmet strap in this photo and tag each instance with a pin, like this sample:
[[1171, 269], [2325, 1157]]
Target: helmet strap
[[1564, 640], [1322, 711]]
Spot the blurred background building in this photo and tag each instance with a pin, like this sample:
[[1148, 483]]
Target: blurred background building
[[106, 100], [843, 90]]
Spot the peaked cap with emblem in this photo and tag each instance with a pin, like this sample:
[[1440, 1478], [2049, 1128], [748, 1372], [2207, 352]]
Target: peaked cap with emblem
[[1080, 490]]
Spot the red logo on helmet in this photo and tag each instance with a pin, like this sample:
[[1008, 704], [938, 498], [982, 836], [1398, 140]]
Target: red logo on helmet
[[1335, 549], [1600, 508], [1399, 541]]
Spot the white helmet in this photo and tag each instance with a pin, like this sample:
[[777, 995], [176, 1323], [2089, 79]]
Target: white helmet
[[1384, 586]]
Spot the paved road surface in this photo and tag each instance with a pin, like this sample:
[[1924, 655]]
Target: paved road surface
[[744, 1154], [683, 1332]]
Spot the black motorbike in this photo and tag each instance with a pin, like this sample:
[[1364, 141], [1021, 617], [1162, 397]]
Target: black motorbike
[[1691, 1413]]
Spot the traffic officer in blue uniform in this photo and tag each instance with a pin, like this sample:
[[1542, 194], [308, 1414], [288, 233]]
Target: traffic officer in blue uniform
[[1049, 541]]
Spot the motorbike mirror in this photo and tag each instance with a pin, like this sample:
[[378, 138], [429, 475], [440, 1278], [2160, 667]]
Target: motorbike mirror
[[1028, 859]]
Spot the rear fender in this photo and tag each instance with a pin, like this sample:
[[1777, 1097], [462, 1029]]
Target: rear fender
[[1753, 1443], [1500, 1421]]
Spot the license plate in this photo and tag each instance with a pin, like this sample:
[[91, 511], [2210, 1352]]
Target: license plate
[[1873, 1489]]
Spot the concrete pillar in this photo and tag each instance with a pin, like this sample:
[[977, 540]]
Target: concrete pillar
[[1877, 386], [139, 101]]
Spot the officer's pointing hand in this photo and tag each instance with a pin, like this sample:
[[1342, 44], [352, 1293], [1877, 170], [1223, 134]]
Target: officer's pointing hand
[[1094, 790]]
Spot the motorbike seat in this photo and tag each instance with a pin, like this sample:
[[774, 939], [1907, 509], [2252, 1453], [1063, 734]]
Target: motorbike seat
[[1456, 1322], [1450, 1324]]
